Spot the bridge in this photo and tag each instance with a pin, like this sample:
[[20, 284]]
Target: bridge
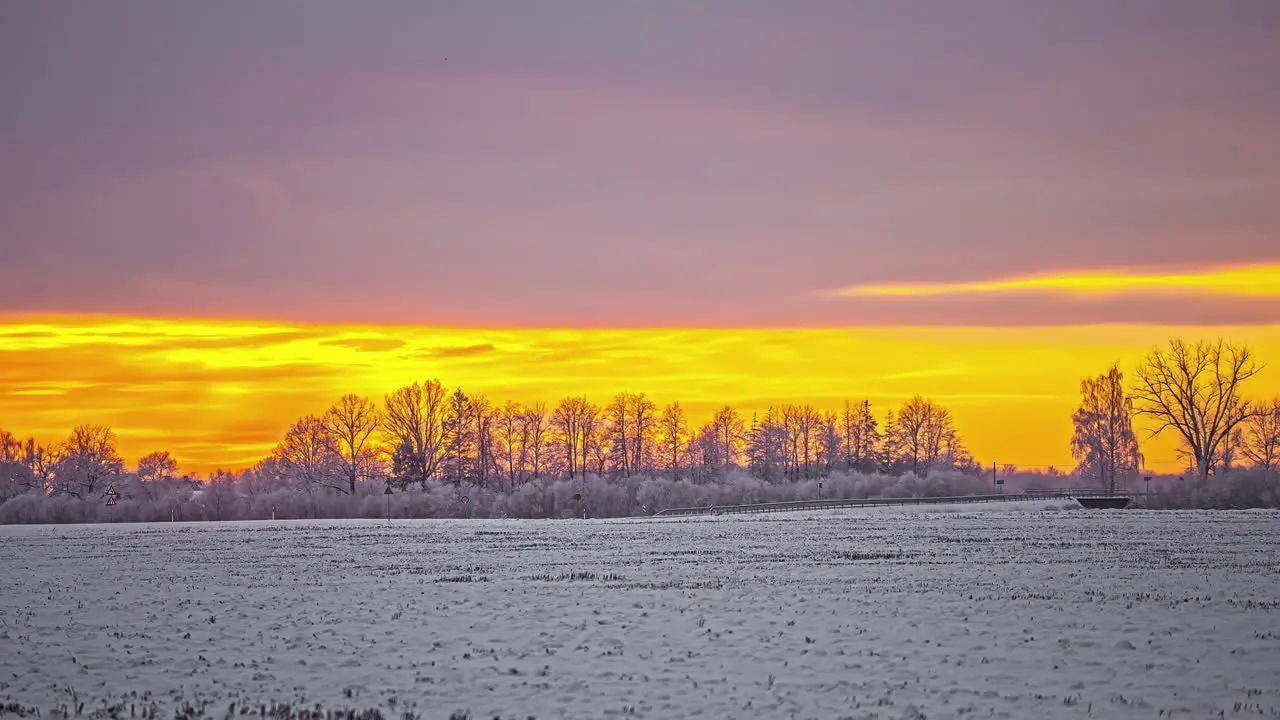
[[1088, 497]]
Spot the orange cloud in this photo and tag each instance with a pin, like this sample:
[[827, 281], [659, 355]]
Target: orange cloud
[[222, 393], [1253, 281]]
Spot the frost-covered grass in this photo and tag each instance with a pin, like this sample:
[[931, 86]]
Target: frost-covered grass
[[883, 612]]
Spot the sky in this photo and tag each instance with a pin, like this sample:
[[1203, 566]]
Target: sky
[[746, 200]]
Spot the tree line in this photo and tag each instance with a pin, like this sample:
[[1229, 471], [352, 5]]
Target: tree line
[[426, 437], [423, 433], [1194, 390]]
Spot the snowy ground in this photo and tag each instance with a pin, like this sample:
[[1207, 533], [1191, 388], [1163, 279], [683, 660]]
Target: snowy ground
[[856, 613]]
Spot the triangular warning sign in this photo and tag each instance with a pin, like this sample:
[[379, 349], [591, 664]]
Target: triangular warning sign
[[111, 501], [111, 490]]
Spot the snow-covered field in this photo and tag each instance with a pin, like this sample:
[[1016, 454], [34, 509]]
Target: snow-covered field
[[861, 614]]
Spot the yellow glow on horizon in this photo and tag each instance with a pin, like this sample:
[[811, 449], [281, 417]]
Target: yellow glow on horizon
[[1236, 280], [221, 393]]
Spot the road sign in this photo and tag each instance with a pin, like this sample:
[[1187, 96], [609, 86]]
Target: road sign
[[111, 490], [111, 495], [464, 499], [819, 486], [387, 491]]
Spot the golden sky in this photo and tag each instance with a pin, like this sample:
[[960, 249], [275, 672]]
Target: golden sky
[[221, 393], [994, 203]]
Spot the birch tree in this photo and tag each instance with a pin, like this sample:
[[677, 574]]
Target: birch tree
[[1104, 444]]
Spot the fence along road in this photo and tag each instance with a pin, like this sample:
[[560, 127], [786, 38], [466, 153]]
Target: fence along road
[[794, 505]]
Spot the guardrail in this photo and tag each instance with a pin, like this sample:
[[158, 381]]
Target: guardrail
[[795, 505]]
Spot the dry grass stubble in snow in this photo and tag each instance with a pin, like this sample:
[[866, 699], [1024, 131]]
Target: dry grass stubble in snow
[[850, 614]]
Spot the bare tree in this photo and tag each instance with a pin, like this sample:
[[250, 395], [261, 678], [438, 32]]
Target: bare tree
[[705, 453], [10, 447], [309, 455], [595, 440], [620, 422], [890, 456], [924, 436], [157, 467], [221, 496], [413, 418], [808, 428], [484, 415], [767, 449], [730, 435], [262, 478], [15, 477], [1195, 389], [673, 428], [570, 419], [40, 461], [1104, 443], [780, 433], [643, 417], [861, 436], [351, 421], [1261, 437], [539, 434], [510, 440], [86, 460], [154, 469], [829, 441]]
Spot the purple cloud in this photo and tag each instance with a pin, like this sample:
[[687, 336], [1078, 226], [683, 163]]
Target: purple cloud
[[626, 163]]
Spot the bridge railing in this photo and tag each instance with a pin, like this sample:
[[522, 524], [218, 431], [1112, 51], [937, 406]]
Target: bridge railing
[[795, 505], [1081, 492]]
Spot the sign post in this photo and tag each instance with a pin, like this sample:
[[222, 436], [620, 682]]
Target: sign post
[[387, 492]]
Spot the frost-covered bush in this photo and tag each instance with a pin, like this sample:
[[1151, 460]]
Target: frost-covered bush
[[249, 497], [1237, 489]]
